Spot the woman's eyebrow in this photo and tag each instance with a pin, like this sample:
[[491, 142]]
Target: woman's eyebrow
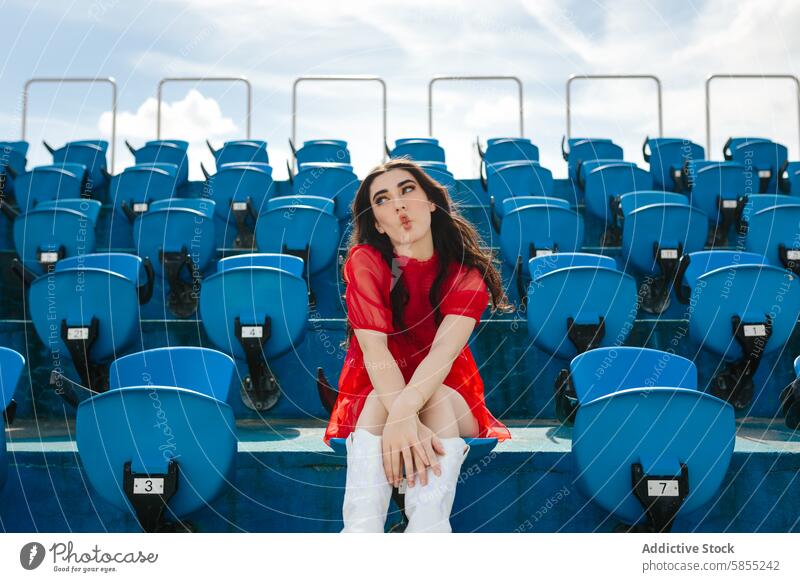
[[406, 181], [374, 196], [399, 185]]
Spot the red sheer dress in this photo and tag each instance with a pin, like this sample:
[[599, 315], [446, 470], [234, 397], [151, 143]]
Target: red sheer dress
[[369, 282]]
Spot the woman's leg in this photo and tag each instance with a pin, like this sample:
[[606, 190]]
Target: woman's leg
[[367, 492], [428, 506]]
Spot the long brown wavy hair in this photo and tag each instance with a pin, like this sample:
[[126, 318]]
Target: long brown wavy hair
[[454, 239]]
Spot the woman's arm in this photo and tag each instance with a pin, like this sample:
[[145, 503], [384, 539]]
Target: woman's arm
[[451, 337], [384, 373]]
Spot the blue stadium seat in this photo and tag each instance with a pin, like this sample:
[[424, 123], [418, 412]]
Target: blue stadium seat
[[581, 150], [667, 156], [734, 296], [578, 301], [604, 182], [12, 163], [11, 365], [789, 178], [303, 226], [255, 310], [534, 226], [49, 183], [249, 151], [763, 157], [88, 153], [321, 150], [421, 149], [508, 149], [164, 151], [52, 231], [88, 308], [790, 399], [648, 446], [240, 192], [330, 180], [178, 236], [516, 179], [138, 186], [769, 225], [182, 465], [654, 237], [714, 188]]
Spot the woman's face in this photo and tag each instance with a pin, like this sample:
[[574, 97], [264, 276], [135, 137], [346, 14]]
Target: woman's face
[[401, 207]]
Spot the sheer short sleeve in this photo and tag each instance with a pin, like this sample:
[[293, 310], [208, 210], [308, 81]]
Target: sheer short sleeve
[[368, 280], [467, 295]]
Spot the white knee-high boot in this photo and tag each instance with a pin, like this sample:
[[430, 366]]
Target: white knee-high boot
[[367, 492], [428, 506]]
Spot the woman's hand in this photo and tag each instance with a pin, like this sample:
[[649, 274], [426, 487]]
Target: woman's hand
[[400, 445], [432, 446]]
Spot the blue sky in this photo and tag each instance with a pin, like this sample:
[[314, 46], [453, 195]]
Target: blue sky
[[406, 43]]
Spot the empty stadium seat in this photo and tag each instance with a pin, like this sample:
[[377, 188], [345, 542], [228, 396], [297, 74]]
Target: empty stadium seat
[[742, 309], [420, 149], [533, 226], [178, 236], [667, 156], [714, 188], [648, 446], [761, 157], [515, 179], [769, 224], [303, 226], [240, 151], [580, 150], [655, 235], [88, 153], [88, 308], [508, 149], [164, 151], [133, 190], [52, 231], [162, 441], [790, 399], [603, 183], [44, 183], [255, 308], [240, 192], [789, 178], [11, 365], [335, 181], [321, 150]]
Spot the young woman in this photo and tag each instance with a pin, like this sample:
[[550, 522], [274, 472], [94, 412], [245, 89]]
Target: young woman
[[410, 390]]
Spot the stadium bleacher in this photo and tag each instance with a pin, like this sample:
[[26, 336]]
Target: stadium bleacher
[[219, 305]]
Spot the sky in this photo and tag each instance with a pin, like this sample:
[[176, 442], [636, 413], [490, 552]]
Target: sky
[[542, 42]]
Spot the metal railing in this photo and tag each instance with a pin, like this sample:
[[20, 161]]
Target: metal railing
[[348, 78], [60, 80], [750, 77], [477, 78], [249, 106], [573, 78]]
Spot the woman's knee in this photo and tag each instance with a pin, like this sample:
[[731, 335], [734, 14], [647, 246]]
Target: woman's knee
[[373, 414]]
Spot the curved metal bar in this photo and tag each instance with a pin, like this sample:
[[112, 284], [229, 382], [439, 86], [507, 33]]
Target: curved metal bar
[[248, 85], [751, 77], [517, 80], [59, 80], [614, 77], [356, 78]]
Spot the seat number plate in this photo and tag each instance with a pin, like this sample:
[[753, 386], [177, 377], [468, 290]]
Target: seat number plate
[[78, 333], [239, 206], [793, 255], [140, 207], [48, 257], [252, 331], [729, 203], [758, 330], [543, 253], [764, 174], [148, 485], [662, 488], [669, 253]]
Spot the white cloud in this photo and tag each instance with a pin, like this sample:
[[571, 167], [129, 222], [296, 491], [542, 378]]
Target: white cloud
[[194, 118]]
